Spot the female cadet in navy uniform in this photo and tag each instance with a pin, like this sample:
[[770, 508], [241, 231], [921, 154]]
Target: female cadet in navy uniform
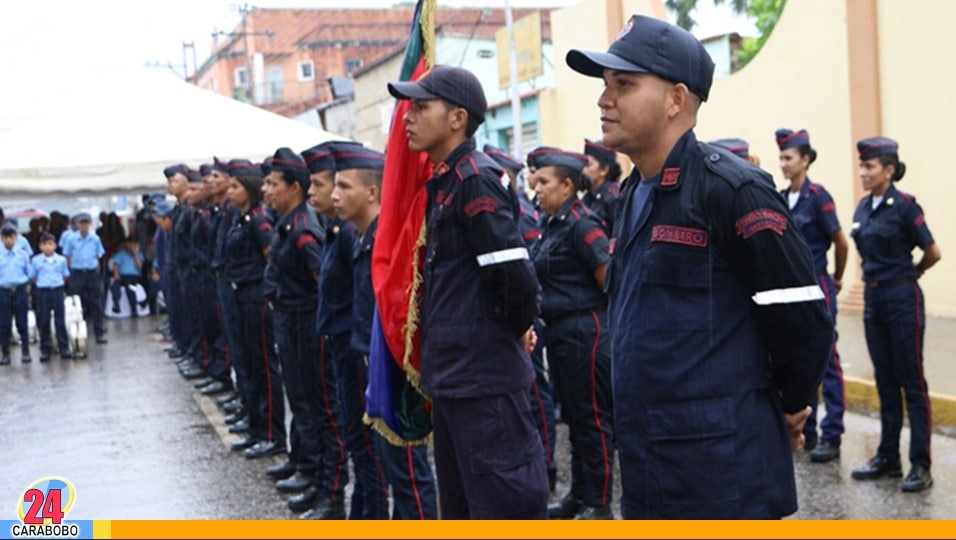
[[294, 261], [814, 212], [571, 258], [604, 172], [887, 224], [247, 243]]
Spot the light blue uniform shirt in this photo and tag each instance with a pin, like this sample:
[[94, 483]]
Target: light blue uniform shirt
[[84, 251], [126, 263], [48, 271], [14, 267], [23, 245], [65, 237]]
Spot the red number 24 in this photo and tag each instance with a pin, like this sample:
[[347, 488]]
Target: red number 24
[[52, 507]]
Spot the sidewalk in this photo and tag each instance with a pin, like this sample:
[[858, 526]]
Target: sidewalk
[[940, 371]]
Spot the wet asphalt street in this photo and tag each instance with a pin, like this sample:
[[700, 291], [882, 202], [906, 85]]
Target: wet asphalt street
[[139, 442]]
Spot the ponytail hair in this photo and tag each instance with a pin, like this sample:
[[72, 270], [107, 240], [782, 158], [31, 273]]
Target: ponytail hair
[[899, 168]]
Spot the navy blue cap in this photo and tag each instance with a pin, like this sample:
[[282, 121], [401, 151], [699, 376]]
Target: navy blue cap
[[603, 154], [162, 209], [266, 166], [193, 175], [319, 157], [787, 138], [501, 158], [453, 84], [546, 156], [872, 147], [83, 216], [11, 221], [286, 160], [242, 166], [217, 165], [8, 229], [739, 147], [352, 156], [205, 169], [172, 170], [649, 45]]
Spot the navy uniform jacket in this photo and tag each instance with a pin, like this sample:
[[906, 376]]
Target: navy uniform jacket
[[363, 303], [181, 243], [480, 293], [815, 216], [718, 327], [200, 251], [572, 246], [222, 217], [528, 224], [885, 237], [295, 256], [603, 202], [335, 278], [242, 249]]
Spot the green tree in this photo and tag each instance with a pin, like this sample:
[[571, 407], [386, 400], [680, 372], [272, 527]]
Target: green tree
[[683, 8]]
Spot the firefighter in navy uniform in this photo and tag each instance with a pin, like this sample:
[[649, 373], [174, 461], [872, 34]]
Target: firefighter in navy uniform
[[814, 212], [542, 400], [479, 300], [887, 225], [604, 173], [571, 259], [195, 364], [294, 260], [719, 330]]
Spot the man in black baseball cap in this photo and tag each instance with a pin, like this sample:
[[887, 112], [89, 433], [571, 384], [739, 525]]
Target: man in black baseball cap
[[720, 329]]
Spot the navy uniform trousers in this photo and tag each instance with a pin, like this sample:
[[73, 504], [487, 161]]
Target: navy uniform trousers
[[411, 478], [894, 318], [259, 379], [190, 293], [833, 391], [215, 342], [310, 386], [227, 312], [580, 361], [13, 307], [51, 299], [495, 471], [542, 402], [173, 289], [88, 284]]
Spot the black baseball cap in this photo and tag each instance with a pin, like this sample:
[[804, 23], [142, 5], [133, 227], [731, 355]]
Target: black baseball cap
[[649, 45], [453, 84]]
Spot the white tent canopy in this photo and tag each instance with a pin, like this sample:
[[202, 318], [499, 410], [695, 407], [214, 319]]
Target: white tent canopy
[[111, 131]]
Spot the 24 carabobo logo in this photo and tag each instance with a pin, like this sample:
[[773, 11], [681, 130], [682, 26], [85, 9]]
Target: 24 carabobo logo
[[46, 501]]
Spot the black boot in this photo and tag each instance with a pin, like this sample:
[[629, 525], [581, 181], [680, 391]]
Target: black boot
[[566, 508]]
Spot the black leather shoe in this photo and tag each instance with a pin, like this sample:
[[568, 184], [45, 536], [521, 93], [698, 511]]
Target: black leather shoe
[[193, 373], [295, 483], [824, 452], [282, 470], [232, 406], [552, 479], [101, 340], [810, 443], [223, 399], [205, 381], [242, 444], [303, 501], [918, 479], [175, 353], [566, 508], [44, 357], [263, 449], [187, 363], [5, 360], [215, 387], [235, 417], [326, 509], [595, 512], [241, 426], [25, 359], [66, 355], [878, 467]]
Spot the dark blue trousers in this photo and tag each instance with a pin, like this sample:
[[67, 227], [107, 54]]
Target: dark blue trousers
[[211, 320], [488, 458], [542, 401], [50, 299], [411, 478], [173, 290], [833, 392], [88, 284], [192, 311], [123, 283], [227, 323], [259, 379], [13, 307], [580, 359], [310, 386], [894, 318], [370, 493]]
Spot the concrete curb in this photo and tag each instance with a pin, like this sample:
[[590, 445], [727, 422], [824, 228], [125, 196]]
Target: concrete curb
[[861, 396]]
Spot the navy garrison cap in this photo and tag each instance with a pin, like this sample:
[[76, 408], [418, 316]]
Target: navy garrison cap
[[603, 154], [545, 156], [266, 166], [877, 146], [172, 170], [649, 45], [739, 147], [242, 166], [352, 156], [453, 84], [504, 160], [205, 169], [288, 161], [193, 175], [217, 165], [787, 138], [319, 158]]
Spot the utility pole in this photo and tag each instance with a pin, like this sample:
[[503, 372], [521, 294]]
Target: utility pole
[[251, 92], [516, 150]]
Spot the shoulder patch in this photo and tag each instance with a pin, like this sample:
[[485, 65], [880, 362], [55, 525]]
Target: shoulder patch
[[920, 220], [815, 189], [828, 207], [593, 235], [761, 219], [479, 205]]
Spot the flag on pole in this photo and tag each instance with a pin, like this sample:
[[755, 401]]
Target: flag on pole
[[395, 406]]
